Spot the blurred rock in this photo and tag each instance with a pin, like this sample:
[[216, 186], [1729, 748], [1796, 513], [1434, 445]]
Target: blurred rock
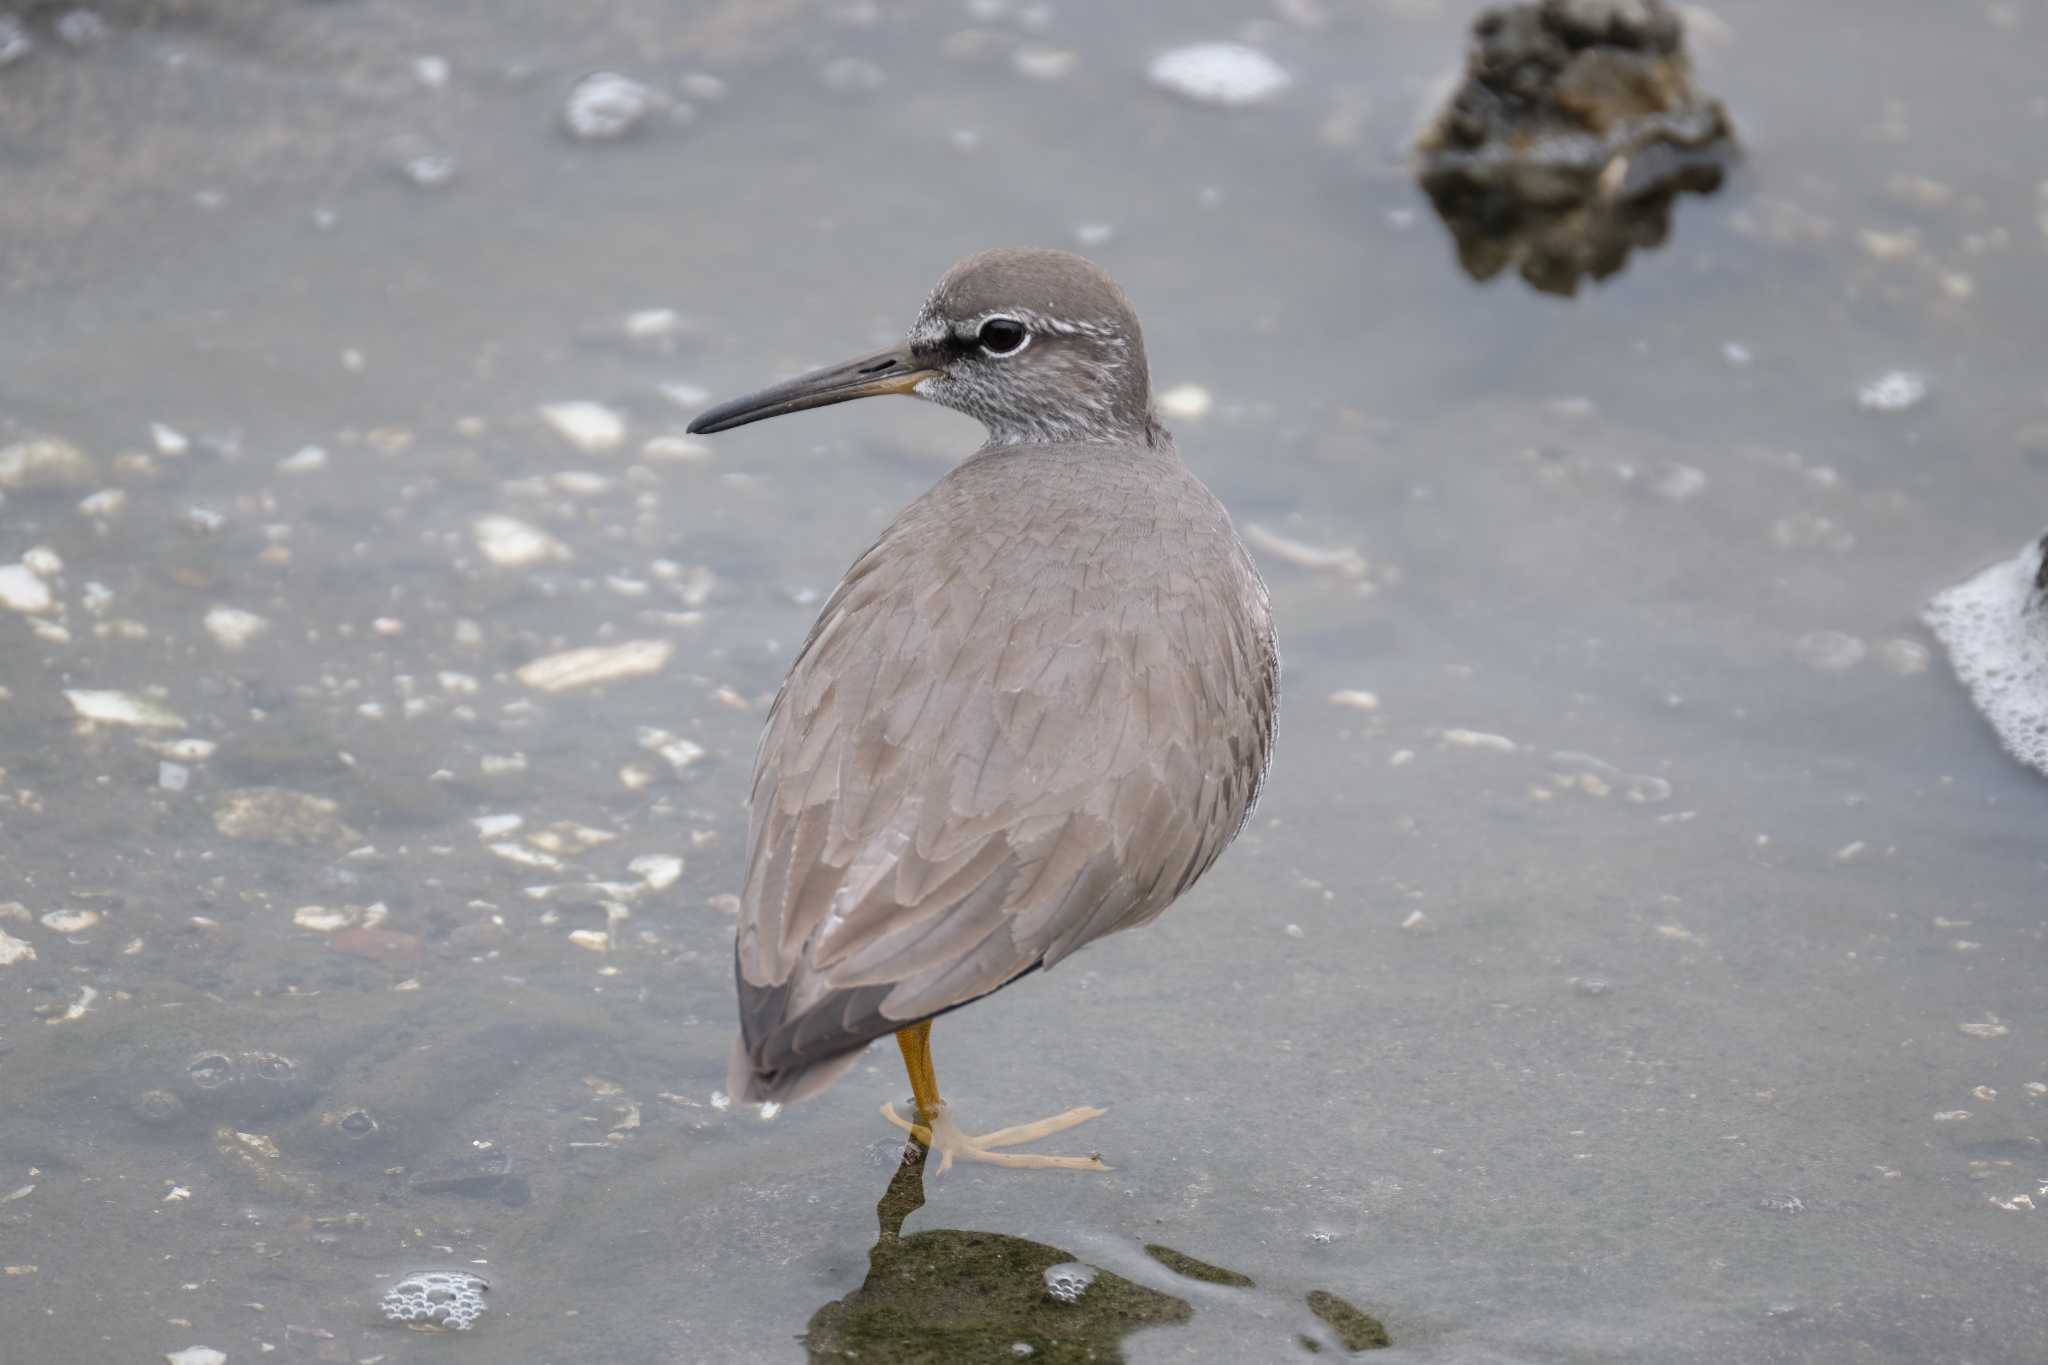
[[1575, 128]]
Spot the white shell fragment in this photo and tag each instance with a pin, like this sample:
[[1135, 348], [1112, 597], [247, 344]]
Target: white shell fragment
[[605, 106], [592, 428], [595, 664], [232, 628], [1230, 75], [22, 590], [1995, 630], [1893, 392], [1342, 558], [46, 462], [679, 752], [122, 708], [196, 1355], [1480, 739], [71, 921], [659, 870], [513, 544], [321, 920], [13, 950]]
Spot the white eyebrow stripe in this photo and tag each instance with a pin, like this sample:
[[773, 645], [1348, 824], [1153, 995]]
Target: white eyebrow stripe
[[967, 328]]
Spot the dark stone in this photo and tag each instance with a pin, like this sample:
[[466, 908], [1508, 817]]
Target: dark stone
[[1575, 129]]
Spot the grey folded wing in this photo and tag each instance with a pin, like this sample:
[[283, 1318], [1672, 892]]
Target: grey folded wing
[[938, 809]]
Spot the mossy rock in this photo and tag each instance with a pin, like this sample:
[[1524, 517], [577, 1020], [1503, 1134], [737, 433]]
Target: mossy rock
[[947, 1297]]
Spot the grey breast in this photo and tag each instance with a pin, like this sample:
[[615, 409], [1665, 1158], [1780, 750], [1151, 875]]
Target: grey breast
[[1031, 715]]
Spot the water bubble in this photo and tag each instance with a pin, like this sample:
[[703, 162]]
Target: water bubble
[[605, 106], [357, 1123], [1068, 1281], [1996, 633], [269, 1066], [210, 1070], [436, 1298]]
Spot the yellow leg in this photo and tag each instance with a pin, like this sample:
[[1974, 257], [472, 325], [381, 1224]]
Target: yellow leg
[[916, 1042], [936, 1130]]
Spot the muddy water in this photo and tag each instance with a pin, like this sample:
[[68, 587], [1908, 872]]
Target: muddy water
[[1645, 970]]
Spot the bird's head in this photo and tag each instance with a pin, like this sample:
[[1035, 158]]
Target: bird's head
[[1037, 345]]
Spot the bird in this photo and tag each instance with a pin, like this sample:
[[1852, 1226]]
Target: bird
[[1033, 713]]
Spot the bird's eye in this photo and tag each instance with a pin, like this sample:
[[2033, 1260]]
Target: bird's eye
[[1003, 336]]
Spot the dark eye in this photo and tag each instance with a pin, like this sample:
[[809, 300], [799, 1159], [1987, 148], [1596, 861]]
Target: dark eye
[[1001, 336]]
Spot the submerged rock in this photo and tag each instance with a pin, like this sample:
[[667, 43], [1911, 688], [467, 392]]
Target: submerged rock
[[1575, 127], [944, 1295], [1995, 628]]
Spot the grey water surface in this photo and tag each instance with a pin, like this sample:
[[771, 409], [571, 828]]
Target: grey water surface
[[1638, 956]]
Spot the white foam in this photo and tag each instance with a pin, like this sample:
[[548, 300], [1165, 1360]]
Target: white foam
[[1995, 629]]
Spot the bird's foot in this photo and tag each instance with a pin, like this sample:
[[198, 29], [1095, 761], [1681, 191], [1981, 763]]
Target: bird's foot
[[943, 1136]]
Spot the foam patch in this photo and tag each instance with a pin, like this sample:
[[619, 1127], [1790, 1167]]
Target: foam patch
[[1995, 628]]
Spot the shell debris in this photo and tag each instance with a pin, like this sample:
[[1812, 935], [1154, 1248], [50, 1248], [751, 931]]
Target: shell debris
[[592, 428], [511, 543], [122, 708], [594, 664]]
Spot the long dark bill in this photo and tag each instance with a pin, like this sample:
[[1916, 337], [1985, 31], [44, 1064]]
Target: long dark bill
[[892, 371]]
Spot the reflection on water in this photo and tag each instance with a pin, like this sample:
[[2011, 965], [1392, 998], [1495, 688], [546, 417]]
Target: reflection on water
[[942, 1295]]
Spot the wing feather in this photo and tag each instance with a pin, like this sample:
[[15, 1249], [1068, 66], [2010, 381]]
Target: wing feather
[[1031, 715]]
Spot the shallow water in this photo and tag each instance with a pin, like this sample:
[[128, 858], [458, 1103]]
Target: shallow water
[[1652, 975]]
